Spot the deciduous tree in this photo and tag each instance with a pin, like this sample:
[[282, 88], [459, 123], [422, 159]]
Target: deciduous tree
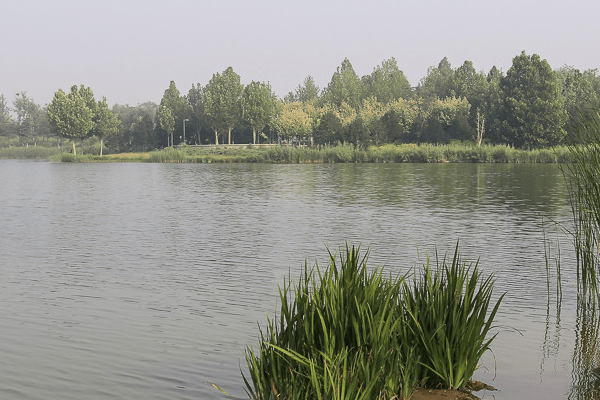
[[106, 122], [292, 120], [166, 120], [69, 115], [258, 106], [5, 118], [222, 102], [345, 86], [533, 105], [179, 108], [387, 83], [307, 92], [435, 84]]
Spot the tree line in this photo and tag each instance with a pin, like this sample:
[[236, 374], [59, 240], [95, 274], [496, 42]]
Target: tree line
[[529, 106]]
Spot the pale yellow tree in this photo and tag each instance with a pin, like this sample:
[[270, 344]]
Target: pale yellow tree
[[293, 120]]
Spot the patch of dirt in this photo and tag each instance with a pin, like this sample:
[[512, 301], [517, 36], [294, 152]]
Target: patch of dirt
[[447, 394]]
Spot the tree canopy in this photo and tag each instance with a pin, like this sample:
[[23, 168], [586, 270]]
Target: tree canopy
[[533, 107], [527, 107], [69, 114]]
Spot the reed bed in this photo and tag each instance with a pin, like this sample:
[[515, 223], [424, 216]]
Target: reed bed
[[30, 152], [583, 180], [350, 333], [346, 153]]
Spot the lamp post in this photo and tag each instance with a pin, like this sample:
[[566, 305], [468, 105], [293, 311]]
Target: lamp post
[[184, 129]]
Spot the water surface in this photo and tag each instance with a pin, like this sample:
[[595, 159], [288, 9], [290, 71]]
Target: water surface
[[124, 281]]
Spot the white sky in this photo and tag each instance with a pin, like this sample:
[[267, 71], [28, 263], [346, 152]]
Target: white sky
[[129, 50]]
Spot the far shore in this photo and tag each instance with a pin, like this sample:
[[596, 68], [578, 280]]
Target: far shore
[[275, 153]]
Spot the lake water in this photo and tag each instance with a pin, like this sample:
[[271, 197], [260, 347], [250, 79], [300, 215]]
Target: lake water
[[147, 281]]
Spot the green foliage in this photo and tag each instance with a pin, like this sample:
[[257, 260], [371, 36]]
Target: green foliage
[[345, 87], [387, 83], [137, 131], [30, 121], [308, 92], [581, 92], [343, 153], [350, 333], [5, 118], [172, 111], [221, 105], [166, 120], [258, 106], [329, 129], [582, 177], [436, 84], [168, 155], [31, 152], [448, 314], [69, 114], [533, 107], [106, 122], [293, 120]]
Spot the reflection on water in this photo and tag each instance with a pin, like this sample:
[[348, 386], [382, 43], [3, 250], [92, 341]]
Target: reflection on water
[[148, 280], [586, 384]]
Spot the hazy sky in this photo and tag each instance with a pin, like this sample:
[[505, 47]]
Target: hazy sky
[[129, 50]]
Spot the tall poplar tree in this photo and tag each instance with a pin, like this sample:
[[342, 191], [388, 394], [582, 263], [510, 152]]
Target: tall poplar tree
[[106, 122], [345, 87], [166, 121], [222, 102], [178, 107], [258, 106]]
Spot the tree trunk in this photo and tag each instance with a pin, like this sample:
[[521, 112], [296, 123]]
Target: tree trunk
[[229, 138], [74, 151], [253, 136], [216, 137], [101, 145]]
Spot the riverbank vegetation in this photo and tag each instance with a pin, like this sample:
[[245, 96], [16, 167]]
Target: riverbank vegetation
[[352, 332], [407, 153], [583, 179], [526, 108]]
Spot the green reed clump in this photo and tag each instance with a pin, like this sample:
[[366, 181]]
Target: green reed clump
[[583, 180], [347, 333], [448, 315], [168, 155]]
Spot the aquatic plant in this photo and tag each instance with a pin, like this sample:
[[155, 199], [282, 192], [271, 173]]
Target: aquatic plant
[[448, 318], [347, 333], [583, 180]]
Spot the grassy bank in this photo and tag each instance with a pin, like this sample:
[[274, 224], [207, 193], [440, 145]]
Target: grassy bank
[[347, 333], [407, 153], [348, 154]]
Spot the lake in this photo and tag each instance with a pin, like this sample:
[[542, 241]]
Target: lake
[[147, 281]]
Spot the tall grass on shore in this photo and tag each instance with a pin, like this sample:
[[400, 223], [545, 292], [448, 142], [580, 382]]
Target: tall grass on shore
[[30, 152], [346, 153], [583, 180], [347, 333]]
